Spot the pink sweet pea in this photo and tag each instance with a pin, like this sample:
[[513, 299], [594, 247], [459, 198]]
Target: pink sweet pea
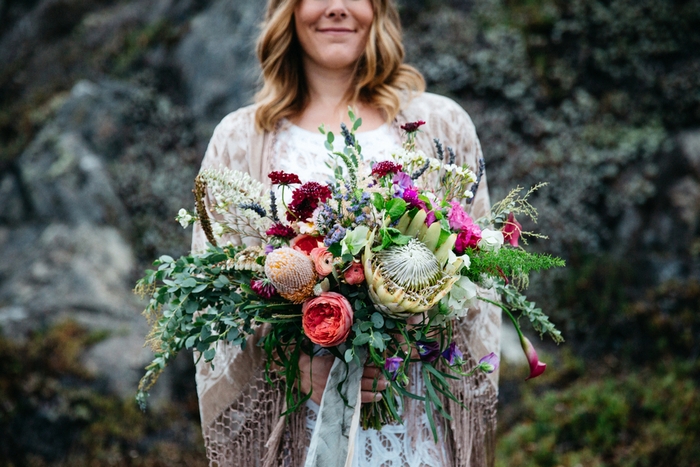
[[511, 231], [536, 366], [457, 217], [430, 218], [468, 238]]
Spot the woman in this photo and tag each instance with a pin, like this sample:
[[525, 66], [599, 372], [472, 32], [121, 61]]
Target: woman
[[318, 57]]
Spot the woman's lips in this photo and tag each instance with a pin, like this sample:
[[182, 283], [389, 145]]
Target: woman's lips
[[335, 30]]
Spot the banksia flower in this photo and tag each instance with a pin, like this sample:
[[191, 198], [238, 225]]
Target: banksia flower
[[292, 273]]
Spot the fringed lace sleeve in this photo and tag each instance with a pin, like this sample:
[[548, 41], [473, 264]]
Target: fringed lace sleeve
[[240, 410]]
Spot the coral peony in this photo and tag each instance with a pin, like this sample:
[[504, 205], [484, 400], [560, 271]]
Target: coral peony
[[327, 319], [323, 260], [355, 274]]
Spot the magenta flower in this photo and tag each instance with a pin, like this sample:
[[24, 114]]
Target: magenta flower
[[430, 218], [458, 218], [536, 366], [392, 365], [401, 182], [453, 355], [467, 238], [511, 231], [428, 351], [263, 288], [489, 363], [410, 195]]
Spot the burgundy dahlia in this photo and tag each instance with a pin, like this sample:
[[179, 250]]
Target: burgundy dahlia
[[381, 169], [283, 178], [281, 230], [305, 200], [412, 126]]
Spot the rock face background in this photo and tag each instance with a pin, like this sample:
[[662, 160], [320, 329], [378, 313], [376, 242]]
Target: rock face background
[[105, 111]]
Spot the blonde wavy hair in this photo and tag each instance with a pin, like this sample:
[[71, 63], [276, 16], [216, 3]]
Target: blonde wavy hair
[[380, 74]]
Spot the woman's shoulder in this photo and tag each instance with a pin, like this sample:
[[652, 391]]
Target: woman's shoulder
[[232, 140], [241, 121]]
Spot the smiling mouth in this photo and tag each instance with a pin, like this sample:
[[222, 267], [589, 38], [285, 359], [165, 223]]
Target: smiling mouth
[[336, 30]]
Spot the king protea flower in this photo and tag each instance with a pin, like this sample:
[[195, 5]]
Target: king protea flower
[[412, 278]]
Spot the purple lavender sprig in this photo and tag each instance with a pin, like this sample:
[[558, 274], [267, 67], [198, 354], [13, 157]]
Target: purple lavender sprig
[[438, 147], [475, 185], [259, 210]]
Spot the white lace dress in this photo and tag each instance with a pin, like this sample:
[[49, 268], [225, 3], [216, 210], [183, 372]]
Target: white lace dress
[[302, 152]]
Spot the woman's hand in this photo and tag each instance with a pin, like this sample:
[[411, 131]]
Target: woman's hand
[[314, 375]]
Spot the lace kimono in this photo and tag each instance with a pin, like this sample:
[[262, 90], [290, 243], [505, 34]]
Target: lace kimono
[[240, 412]]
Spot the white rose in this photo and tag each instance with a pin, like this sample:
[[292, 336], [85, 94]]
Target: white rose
[[491, 240]]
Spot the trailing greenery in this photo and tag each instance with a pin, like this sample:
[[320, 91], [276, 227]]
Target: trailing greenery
[[518, 303], [178, 289]]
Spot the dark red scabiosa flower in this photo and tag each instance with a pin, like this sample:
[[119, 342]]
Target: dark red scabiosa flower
[[384, 168], [412, 126], [283, 178], [263, 287], [306, 199], [281, 230]]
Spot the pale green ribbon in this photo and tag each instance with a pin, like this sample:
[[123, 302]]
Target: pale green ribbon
[[333, 441]]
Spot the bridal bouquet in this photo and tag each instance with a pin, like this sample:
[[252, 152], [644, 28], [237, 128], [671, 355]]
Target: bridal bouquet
[[375, 266]]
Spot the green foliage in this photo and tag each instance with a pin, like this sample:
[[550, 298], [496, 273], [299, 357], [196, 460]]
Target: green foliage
[[198, 301], [509, 262], [647, 418], [518, 303]]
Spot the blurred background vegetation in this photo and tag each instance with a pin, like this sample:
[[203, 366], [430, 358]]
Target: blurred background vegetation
[[106, 107]]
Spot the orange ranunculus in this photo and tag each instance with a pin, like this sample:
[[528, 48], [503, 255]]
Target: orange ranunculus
[[304, 243], [355, 274], [327, 319], [323, 260]]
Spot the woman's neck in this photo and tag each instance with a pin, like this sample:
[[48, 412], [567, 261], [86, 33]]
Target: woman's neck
[[327, 104]]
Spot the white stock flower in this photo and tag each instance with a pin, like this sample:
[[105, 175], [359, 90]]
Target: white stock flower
[[217, 229], [462, 296], [184, 218], [491, 240]]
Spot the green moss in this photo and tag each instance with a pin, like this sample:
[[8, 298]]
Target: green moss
[[643, 418]]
